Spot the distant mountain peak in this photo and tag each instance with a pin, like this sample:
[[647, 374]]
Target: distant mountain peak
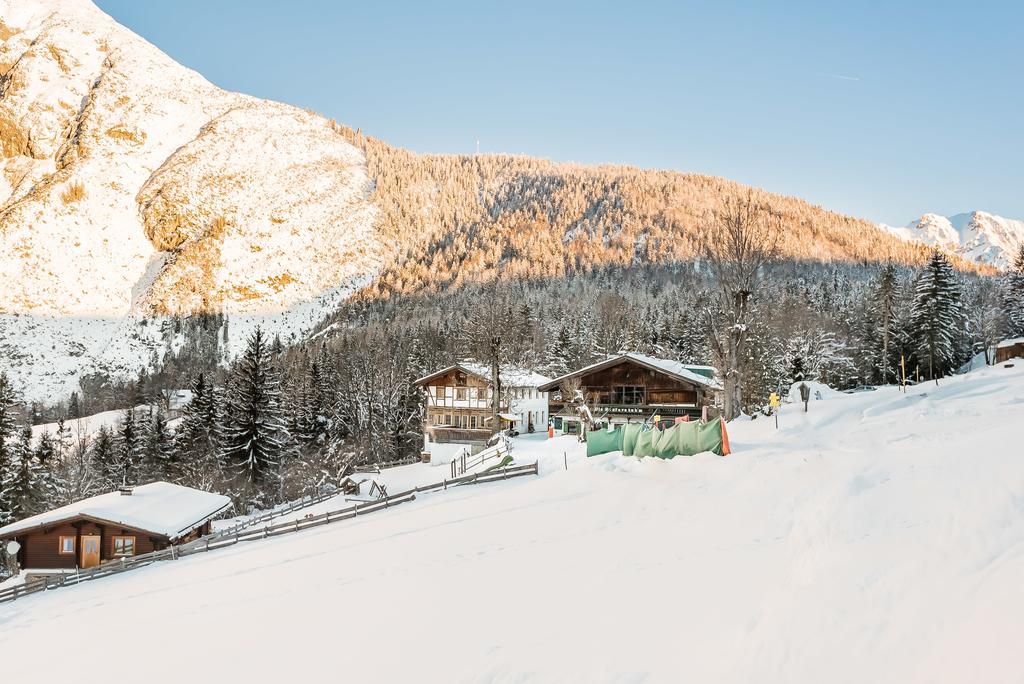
[[979, 236]]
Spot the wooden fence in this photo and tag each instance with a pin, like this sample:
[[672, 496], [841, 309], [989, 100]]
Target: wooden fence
[[463, 463], [221, 540]]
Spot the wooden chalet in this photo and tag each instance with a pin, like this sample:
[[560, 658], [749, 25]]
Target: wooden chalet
[[127, 522], [460, 397], [632, 387]]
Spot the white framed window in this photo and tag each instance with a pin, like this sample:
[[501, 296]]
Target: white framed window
[[66, 545], [124, 546]]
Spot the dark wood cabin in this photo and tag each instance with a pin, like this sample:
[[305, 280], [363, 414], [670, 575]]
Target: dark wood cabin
[[1010, 349], [632, 388], [114, 525]]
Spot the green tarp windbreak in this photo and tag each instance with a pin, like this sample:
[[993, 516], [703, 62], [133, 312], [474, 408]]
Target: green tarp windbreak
[[682, 439]]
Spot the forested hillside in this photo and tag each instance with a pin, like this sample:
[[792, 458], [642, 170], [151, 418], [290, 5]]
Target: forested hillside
[[451, 220]]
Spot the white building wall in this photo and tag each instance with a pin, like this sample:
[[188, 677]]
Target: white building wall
[[532, 401]]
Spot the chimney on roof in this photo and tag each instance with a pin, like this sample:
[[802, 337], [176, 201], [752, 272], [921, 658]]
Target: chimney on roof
[[125, 490]]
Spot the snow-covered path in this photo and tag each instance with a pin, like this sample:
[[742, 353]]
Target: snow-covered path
[[879, 537]]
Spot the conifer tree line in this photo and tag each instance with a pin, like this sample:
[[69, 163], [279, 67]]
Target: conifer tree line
[[284, 420]]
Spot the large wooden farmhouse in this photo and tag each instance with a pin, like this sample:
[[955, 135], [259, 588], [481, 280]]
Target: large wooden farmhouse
[[460, 403], [631, 387], [102, 528]]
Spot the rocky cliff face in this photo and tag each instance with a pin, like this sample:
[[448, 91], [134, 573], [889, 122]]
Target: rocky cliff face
[[131, 187]]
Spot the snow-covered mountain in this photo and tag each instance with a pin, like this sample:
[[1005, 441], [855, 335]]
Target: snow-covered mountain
[[131, 187], [134, 193], [979, 236]]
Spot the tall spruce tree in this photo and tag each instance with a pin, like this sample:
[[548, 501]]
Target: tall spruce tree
[[198, 436], [883, 304], [8, 447], [256, 441], [129, 450], [937, 317], [24, 492], [1012, 296], [159, 457], [104, 460], [49, 457]]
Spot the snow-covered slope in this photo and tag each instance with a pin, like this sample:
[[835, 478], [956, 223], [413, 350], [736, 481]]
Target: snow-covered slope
[[132, 187], [879, 537], [977, 235]]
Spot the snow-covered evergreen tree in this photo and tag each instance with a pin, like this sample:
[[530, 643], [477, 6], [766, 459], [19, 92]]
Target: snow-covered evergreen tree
[[104, 460], [129, 450], [883, 308], [1012, 296], [8, 447], [197, 438], [255, 441], [159, 459], [937, 318], [24, 492], [49, 459]]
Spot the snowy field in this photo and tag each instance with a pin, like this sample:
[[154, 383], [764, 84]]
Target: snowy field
[[880, 538]]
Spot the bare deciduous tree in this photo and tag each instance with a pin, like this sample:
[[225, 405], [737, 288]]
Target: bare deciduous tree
[[739, 238]]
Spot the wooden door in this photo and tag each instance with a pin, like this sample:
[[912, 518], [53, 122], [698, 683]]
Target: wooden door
[[90, 550]]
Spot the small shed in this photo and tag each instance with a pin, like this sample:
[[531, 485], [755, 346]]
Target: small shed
[[126, 522], [1010, 349]]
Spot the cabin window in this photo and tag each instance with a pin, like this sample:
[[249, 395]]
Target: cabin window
[[124, 546], [67, 546], [628, 394], [460, 393]]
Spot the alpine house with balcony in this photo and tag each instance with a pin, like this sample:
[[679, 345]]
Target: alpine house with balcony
[[460, 406], [631, 387]]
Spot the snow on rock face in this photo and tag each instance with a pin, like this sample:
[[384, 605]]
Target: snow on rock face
[[131, 187], [978, 236], [271, 207]]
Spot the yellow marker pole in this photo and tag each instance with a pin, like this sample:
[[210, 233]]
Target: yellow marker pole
[[903, 368]]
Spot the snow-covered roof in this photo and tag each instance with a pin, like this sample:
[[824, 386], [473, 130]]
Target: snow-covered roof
[[1010, 343], [162, 508], [179, 398], [511, 376], [675, 368]]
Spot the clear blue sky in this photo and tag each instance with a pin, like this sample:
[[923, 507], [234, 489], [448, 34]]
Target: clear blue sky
[[884, 110]]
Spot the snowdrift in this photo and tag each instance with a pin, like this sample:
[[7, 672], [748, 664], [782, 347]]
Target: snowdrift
[[878, 537]]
